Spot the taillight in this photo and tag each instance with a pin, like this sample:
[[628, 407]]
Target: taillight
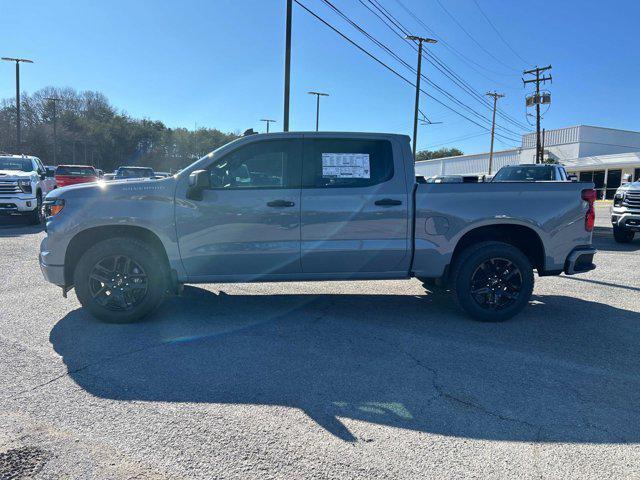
[[589, 196]]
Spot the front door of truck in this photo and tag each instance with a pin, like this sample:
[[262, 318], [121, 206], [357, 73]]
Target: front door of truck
[[248, 222], [355, 207]]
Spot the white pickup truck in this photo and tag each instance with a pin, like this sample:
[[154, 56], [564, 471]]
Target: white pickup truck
[[24, 182]]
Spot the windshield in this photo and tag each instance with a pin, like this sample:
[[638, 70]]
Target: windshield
[[76, 171], [134, 172], [524, 174], [21, 164]]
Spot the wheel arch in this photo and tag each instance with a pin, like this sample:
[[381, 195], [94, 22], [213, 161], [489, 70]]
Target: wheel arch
[[524, 238], [85, 239]]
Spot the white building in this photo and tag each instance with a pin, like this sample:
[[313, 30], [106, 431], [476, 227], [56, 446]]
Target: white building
[[601, 155]]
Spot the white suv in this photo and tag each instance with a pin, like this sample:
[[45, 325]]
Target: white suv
[[24, 182]]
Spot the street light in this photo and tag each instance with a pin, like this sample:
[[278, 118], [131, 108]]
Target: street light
[[17, 60], [267, 121], [318, 95]]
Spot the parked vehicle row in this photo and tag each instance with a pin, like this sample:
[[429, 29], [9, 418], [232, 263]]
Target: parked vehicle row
[[313, 206], [25, 181]]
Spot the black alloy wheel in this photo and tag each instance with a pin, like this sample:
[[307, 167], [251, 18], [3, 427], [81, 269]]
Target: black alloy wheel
[[118, 283], [496, 284]]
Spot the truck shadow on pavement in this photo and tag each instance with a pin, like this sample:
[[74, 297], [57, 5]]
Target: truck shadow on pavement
[[565, 370]]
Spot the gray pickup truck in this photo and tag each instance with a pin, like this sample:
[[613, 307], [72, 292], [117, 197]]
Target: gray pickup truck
[[312, 206]]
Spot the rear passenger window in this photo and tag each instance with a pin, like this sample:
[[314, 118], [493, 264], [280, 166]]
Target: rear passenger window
[[347, 163]]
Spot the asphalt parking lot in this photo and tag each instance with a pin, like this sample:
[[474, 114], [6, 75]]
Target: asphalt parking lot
[[322, 380]]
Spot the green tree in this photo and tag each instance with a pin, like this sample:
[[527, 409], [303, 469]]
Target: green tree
[[443, 152], [90, 130]]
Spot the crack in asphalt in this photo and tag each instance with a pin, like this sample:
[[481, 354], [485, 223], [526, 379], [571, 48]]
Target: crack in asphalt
[[98, 362], [442, 393]]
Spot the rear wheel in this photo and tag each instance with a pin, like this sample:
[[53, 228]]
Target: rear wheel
[[121, 280], [493, 281], [623, 235]]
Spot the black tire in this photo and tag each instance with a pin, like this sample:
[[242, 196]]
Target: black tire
[[623, 235], [499, 268], [433, 284], [35, 217], [138, 300]]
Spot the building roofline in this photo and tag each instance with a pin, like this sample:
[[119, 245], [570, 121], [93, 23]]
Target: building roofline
[[496, 152], [589, 126]]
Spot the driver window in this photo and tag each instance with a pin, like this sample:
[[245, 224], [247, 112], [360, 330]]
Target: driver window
[[259, 165]]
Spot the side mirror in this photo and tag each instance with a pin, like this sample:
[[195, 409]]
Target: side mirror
[[42, 175], [198, 181], [49, 173]]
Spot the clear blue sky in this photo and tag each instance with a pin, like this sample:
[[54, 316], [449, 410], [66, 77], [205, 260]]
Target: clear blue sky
[[219, 63]]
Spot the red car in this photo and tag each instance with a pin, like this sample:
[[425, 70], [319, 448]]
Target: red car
[[73, 174]]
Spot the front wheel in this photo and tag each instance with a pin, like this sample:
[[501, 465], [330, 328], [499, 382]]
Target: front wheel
[[623, 235], [121, 280], [493, 281], [35, 216]]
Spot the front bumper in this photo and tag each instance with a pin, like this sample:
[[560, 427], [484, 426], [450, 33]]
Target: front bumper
[[52, 273], [17, 204], [626, 218], [580, 260]]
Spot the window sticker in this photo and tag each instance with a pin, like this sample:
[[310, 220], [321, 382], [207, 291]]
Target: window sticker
[[345, 165]]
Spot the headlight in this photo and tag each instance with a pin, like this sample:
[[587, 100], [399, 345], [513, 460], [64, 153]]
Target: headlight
[[25, 185], [53, 207], [618, 198]]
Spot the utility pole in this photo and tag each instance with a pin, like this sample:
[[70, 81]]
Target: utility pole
[[318, 95], [267, 121], [538, 80], [495, 96], [55, 129], [17, 60], [287, 66], [420, 40]]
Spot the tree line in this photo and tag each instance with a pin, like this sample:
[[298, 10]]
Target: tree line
[[92, 131]]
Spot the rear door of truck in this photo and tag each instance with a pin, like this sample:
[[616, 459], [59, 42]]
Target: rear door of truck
[[355, 206]]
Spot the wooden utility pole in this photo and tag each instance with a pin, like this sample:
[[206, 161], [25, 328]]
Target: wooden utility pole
[[495, 96], [537, 100], [420, 41]]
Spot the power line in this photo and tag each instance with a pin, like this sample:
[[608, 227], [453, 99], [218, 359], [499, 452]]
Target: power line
[[439, 64], [470, 62], [472, 37], [395, 72], [413, 70], [455, 140], [486, 17]]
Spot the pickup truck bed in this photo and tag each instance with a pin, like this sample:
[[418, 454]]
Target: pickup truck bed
[[312, 206]]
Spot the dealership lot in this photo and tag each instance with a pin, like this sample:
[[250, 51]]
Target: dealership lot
[[323, 380]]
